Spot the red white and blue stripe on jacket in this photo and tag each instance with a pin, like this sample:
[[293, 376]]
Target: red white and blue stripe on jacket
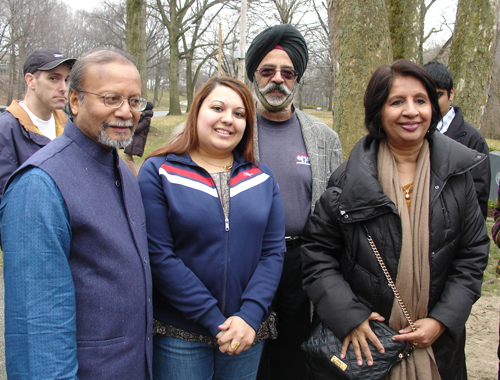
[[205, 267], [243, 181]]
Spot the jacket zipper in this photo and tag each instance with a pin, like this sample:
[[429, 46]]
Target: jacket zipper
[[226, 240], [458, 136], [226, 248]]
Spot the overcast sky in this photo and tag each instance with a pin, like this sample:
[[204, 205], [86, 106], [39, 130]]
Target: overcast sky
[[87, 5]]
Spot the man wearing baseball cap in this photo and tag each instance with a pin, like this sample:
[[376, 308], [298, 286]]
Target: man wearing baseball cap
[[28, 125]]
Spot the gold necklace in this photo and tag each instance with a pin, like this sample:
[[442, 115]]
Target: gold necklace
[[225, 167], [407, 190]]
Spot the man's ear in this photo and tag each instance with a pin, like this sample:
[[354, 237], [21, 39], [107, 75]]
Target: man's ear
[[452, 94], [30, 81], [74, 101]]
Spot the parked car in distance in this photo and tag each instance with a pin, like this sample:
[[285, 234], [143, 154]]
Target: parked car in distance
[[319, 109], [2, 108]]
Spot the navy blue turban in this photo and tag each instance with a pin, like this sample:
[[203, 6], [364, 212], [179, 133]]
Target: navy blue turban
[[284, 35]]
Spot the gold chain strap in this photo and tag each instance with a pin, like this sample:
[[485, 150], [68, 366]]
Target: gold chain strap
[[391, 283]]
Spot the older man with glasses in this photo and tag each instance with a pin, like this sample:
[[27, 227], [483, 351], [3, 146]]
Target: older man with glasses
[[302, 153], [77, 275]]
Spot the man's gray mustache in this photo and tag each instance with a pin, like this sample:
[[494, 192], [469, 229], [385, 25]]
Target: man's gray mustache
[[275, 87]]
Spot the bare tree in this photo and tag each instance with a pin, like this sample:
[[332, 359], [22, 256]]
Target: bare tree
[[206, 38], [439, 50], [317, 84], [28, 29], [136, 37], [489, 121], [278, 12], [288, 9], [357, 57], [107, 25], [406, 27], [471, 55], [178, 17]]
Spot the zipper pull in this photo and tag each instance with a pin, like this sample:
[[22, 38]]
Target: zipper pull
[[227, 224]]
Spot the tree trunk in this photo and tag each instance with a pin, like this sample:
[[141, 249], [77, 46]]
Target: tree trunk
[[489, 121], [404, 25], [301, 103], [189, 81], [331, 38], [136, 38], [21, 83], [471, 55], [156, 99], [174, 102], [12, 75], [362, 43], [422, 11]]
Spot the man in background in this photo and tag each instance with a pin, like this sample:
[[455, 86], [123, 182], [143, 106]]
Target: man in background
[[136, 148], [302, 152], [30, 124], [454, 126], [77, 276]]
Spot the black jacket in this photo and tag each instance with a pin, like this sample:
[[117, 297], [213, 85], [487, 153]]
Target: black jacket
[[341, 274], [136, 148], [467, 135]]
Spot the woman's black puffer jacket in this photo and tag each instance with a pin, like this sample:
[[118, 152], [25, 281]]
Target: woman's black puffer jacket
[[341, 274]]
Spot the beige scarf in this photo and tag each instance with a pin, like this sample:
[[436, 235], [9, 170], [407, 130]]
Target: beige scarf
[[413, 280]]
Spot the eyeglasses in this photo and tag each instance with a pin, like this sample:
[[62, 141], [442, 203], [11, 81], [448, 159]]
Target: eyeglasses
[[268, 72], [136, 103]]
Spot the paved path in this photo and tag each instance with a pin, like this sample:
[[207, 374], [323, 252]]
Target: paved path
[[159, 113]]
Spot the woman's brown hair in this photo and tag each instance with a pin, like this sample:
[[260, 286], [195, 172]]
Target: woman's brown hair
[[188, 138]]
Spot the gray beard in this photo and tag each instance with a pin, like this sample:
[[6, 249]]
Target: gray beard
[[105, 140], [274, 103]]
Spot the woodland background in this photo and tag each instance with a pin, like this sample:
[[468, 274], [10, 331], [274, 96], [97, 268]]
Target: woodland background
[[176, 44]]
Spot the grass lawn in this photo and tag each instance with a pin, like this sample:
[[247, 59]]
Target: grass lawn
[[159, 134], [325, 116], [493, 144]]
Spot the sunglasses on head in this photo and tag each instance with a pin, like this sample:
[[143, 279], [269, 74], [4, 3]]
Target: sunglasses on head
[[267, 72]]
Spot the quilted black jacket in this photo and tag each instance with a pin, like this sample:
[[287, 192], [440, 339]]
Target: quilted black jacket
[[467, 135], [341, 275]]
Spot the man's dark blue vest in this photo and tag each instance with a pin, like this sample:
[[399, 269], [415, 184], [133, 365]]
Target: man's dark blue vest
[[108, 258]]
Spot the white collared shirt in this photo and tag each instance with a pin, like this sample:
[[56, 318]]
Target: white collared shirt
[[445, 122]]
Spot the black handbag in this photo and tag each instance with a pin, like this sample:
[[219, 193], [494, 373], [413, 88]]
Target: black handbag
[[324, 348]]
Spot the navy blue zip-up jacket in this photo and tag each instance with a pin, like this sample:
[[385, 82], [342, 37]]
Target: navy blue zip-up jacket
[[206, 268]]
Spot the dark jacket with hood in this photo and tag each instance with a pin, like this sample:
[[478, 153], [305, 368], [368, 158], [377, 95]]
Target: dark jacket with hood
[[467, 135], [341, 274]]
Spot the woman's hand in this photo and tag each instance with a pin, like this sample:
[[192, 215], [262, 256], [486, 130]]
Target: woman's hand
[[358, 338], [427, 331], [236, 336]]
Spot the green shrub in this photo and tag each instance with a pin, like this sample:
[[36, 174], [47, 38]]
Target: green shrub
[[493, 144]]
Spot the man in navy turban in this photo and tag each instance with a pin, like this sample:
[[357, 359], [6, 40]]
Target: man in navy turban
[[302, 153]]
